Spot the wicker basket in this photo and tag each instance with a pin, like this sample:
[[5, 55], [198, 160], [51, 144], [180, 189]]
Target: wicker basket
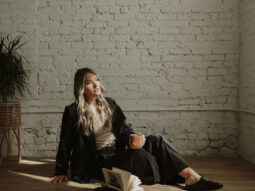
[[10, 121]]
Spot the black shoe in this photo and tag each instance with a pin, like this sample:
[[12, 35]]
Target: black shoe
[[203, 185]]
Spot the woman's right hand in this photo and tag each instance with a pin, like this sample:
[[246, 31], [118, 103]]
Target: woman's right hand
[[58, 179], [136, 141]]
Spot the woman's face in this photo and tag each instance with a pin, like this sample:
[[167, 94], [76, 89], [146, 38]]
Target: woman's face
[[92, 86]]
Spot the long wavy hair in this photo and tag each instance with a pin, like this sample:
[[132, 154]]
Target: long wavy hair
[[86, 118]]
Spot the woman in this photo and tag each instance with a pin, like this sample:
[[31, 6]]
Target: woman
[[94, 134]]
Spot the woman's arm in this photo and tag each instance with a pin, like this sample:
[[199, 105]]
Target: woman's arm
[[65, 144], [121, 128]]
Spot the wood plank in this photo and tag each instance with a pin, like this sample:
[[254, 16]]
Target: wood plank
[[33, 174]]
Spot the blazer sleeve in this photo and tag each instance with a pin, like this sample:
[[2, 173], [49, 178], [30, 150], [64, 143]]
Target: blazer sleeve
[[121, 128], [65, 144]]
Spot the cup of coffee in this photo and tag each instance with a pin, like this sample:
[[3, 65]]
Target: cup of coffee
[[136, 140]]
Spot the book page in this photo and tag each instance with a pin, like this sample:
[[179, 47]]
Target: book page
[[113, 179], [134, 183], [125, 175], [121, 180], [131, 182]]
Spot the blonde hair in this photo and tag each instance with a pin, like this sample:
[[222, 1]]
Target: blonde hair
[[102, 107]]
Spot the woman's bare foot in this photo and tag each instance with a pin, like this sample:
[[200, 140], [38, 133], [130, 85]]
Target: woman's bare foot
[[194, 181], [191, 177]]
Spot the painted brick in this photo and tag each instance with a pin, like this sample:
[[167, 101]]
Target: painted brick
[[152, 55]]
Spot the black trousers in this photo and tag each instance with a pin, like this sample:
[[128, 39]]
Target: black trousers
[[170, 163], [156, 162]]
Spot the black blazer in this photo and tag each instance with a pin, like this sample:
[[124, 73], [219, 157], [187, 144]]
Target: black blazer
[[80, 149]]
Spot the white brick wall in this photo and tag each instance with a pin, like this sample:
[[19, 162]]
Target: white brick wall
[[247, 81], [168, 57], [246, 148]]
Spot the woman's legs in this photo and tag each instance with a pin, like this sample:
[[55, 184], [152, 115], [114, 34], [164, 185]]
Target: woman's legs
[[171, 165], [140, 163], [173, 168]]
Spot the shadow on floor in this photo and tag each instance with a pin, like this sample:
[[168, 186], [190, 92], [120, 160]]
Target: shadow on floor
[[34, 174]]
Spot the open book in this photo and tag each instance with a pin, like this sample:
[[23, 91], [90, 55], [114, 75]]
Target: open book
[[121, 180]]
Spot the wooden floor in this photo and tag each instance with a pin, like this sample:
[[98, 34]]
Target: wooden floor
[[33, 174]]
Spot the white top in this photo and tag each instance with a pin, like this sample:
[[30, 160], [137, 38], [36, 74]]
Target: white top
[[103, 135]]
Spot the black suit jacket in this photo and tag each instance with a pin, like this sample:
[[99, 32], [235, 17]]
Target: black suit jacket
[[80, 149]]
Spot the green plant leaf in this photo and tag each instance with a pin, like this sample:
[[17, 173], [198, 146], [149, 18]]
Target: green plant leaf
[[13, 77]]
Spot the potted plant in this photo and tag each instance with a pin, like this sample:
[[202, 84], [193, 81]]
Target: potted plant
[[13, 82]]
